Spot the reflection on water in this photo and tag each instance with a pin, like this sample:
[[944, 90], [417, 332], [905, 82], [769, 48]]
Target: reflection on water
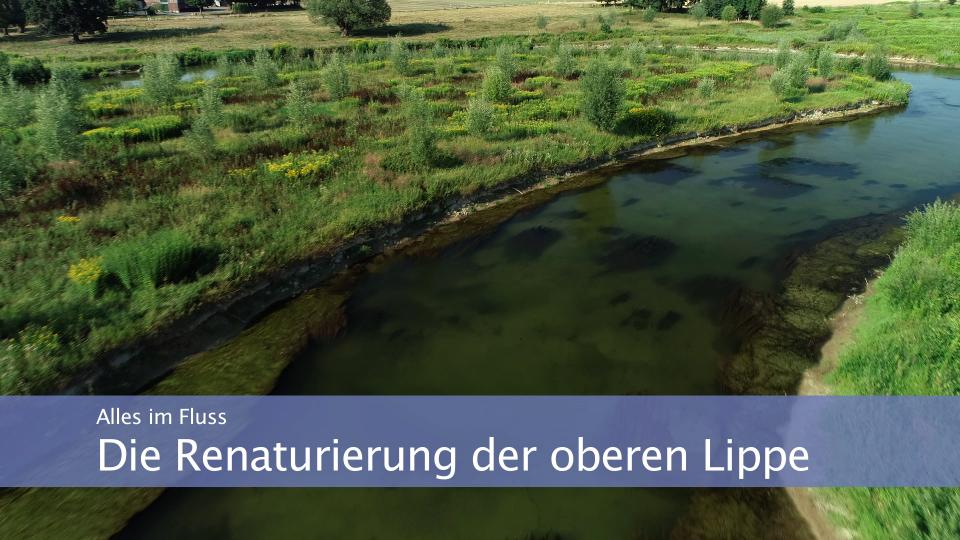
[[614, 290]]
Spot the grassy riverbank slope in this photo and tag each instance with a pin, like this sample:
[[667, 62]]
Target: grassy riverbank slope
[[907, 344], [178, 193]]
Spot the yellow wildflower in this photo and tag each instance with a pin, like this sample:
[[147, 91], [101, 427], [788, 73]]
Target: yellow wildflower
[[68, 219], [86, 271]]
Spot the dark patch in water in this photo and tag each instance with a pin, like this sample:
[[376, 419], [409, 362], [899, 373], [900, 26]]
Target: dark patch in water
[[736, 204], [773, 168], [765, 186], [611, 231], [749, 262], [570, 214], [871, 183], [639, 319], [634, 252], [865, 198], [620, 298], [898, 186], [630, 202], [531, 243], [711, 291], [779, 209], [668, 321], [666, 173]]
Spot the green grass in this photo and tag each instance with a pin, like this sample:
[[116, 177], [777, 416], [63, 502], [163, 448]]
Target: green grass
[[907, 344]]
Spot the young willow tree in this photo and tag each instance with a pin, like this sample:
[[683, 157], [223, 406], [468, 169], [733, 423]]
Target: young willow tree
[[74, 17], [603, 94], [349, 15]]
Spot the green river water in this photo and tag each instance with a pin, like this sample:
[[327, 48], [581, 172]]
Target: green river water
[[615, 289]]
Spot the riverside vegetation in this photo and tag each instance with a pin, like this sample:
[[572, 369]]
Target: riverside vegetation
[[906, 344], [125, 208]]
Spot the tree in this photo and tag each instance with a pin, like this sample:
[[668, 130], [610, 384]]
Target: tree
[[336, 77], [73, 17], [349, 15], [770, 16], [729, 13], [199, 4], [789, 8], [12, 14]]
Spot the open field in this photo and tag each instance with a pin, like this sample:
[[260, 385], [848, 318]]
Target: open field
[[931, 37]]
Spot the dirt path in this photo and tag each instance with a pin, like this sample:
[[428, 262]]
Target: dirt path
[[844, 322]]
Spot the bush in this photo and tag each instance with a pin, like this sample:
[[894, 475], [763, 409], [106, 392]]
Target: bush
[[496, 85], [914, 10], [265, 70], [789, 8], [816, 85], [504, 60], [729, 13], [16, 104], [603, 94], [29, 71], [210, 103], [400, 56], [13, 175], [838, 31], [336, 77], [649, 121], [636, 54], [706, 88], [480, 117], [542, 22], [565, 64], [161, 74], [154, 128], [877, 66], [699, 12], [162, 258], [825, 64], [784, 54], [444, 68], [421, 134], [770, 16], [298, 107], [58, 124], [649, 14], [199, 139], [31, 362]]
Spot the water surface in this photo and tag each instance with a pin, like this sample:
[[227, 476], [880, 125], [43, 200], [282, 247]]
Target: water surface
[[617, 289]]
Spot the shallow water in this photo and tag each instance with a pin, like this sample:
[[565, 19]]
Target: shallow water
[[611, 290]]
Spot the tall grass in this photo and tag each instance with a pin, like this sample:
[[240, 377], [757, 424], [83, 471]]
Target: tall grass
[[908, 343], [160, 258]]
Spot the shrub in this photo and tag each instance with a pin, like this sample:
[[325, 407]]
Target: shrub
[[162, 258], [789, 8], [298, 107], [421, 134], [31, 362], [914, 10], [784, 53], [211, 104], [57, 125], [636, 54], [400, 56], [496, 85], [542, 22], [650, 121], [16, 104], [649, 14], [699, 12], [877, 66], [605, 27], [504, 60], [770, 16], [199, 138], [565, 63], [28, 71], [729, 13], [603, 94], [65, 80], [161, 74], [336, 78], [155, 128], [13, 176], [265, 70], [706, 88], [838, 31], [825, 63], [480, 117]]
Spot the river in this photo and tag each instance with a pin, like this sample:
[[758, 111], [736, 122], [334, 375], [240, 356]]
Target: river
[[615, 289]]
